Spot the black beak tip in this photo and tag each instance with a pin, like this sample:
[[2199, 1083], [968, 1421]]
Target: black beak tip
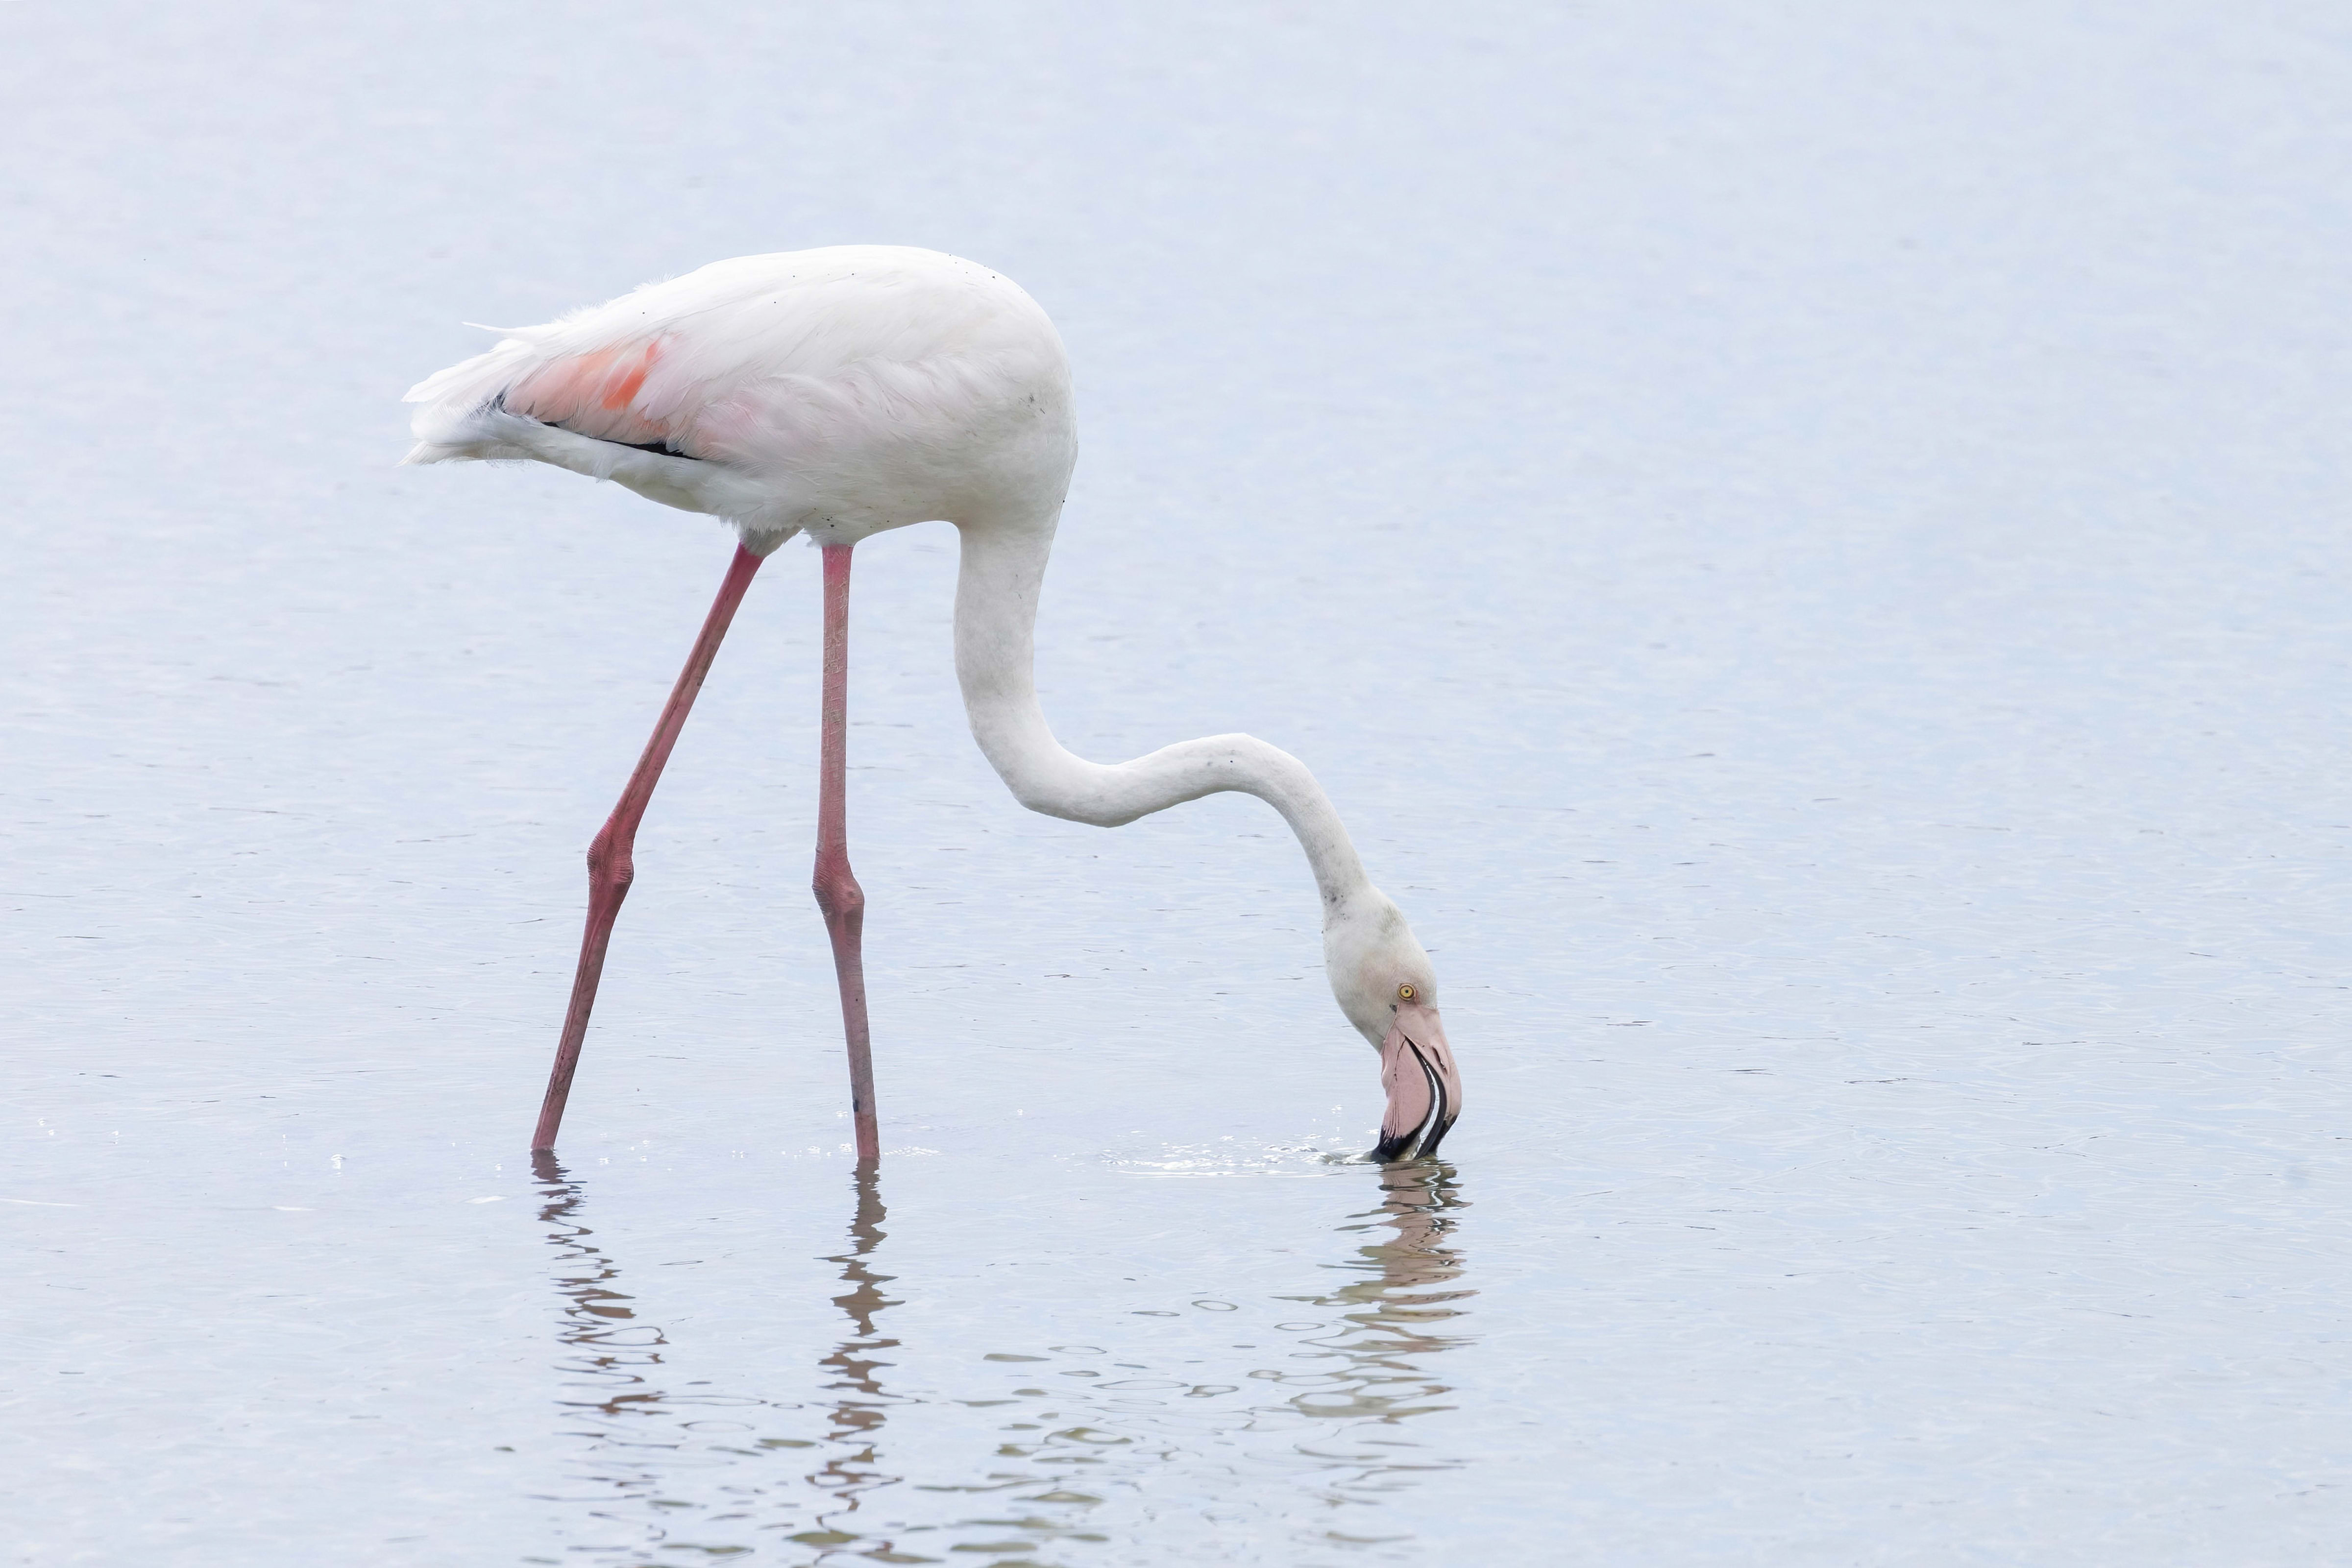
[[1437, 1131], [1403, 1146], [1400, 1145]]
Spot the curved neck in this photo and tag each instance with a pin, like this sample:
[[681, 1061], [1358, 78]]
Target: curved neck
[[995, 623]]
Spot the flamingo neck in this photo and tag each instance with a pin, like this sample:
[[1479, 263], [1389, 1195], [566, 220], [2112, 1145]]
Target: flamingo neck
[[995, 624]]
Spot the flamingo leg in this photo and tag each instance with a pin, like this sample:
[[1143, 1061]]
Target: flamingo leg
[[838, 893], [611, 865]]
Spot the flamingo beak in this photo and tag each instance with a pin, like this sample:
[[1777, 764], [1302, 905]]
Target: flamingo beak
[[1424, 1086]]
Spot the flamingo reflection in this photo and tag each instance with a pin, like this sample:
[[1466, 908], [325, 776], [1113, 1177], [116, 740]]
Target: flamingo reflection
[[657, 1468], [1403, 1299], [1401, 1311]]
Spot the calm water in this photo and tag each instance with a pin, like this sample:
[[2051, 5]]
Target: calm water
[[1810, 548]]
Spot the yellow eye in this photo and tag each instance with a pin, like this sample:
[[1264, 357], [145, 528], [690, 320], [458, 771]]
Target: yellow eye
[[1407, 992]]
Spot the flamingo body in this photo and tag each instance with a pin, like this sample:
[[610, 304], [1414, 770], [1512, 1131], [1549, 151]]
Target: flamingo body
[[836, 393]]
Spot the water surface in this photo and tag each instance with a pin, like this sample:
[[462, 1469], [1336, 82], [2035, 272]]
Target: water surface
[[1808, 549]]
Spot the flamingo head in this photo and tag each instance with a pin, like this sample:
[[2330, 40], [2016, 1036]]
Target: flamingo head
[[1386, 985]]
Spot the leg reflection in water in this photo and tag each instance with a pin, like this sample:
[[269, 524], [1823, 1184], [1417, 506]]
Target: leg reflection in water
[[681, 1466], [614, 1354], [610, 1395], [859, 1399]]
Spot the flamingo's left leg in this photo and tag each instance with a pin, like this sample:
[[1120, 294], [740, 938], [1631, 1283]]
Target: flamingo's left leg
[[611, 861], [838, 893]]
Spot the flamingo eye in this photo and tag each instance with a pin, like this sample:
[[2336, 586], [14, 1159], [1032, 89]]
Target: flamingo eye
[[1407, 992]]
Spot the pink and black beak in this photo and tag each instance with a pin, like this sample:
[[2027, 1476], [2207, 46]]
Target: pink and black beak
[[1424, 1086]]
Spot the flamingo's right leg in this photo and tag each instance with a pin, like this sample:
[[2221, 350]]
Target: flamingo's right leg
[[838, 893], [610, 864]]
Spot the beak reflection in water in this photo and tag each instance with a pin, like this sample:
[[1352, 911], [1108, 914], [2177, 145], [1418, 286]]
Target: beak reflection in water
[[1005, 1443]]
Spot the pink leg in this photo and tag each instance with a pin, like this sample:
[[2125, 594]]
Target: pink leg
[[838, 893], [610, 865]]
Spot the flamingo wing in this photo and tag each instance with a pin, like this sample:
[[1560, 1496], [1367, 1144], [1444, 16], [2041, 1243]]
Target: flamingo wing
[[650, 367], [867, 385]]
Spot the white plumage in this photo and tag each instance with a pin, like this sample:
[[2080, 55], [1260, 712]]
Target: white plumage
[[840, 392]]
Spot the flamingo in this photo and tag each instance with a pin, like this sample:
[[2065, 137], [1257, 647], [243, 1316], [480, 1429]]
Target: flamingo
[[837, 392]]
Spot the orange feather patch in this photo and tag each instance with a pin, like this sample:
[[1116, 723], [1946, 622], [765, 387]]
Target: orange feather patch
[[590, 393]]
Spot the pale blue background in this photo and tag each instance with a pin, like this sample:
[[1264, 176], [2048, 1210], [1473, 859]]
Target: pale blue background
[[1807, 540]]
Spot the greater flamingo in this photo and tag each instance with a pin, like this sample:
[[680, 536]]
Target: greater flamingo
[[838, 392]]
